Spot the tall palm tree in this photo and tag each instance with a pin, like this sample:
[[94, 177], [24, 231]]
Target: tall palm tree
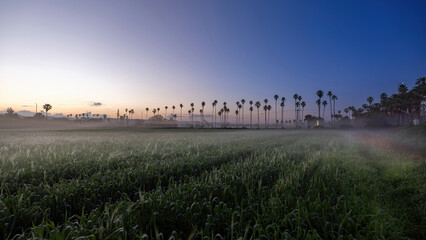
[[214, 112], [154, 111], [224, 112], [251, 112], [330, 95], [181, 106], [146, 109], [269, 113], [192, 111], [202, 107], [47, 107], [276, 116], [236, 118], [295, 96], [320, 94], [324, 104], [318, 102], [242, 113], [165, 111], [265, 108], [189, 114], [257, 104], [240, 106], [173, 107], [370, 100], [266, 102], [158, 110], [282, 113], [303, 104], [334, 98], [297, 118]]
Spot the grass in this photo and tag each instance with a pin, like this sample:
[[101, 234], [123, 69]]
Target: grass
[[196, 184]]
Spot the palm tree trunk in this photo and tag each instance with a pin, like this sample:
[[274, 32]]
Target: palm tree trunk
[[276, 116], [265, 117], [258, 119], [250, 118], [282, 116]]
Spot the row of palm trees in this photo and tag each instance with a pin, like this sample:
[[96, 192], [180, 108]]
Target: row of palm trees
[[224, 111], [400, 108]]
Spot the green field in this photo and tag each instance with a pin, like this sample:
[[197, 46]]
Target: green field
[[204, 184]]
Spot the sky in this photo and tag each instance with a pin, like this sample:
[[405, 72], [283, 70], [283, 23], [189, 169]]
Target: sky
[[138, 54]]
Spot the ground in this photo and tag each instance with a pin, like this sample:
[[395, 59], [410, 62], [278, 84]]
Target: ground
[[273, 184]]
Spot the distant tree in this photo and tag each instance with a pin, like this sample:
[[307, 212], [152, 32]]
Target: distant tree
[[276, 114], [10, 112], [295, 96], [47, 107], [265, 108], [192, 111], [320, 94], [173, 109], [370, 100], [236, 118], [214, 103], [147, 114], [181, 106], [257, 104], [303, 104], [251, 113], [282, 104], [242, 109], [330, 95], [324, 104], [165, 111], [202, 112], [158, 110]]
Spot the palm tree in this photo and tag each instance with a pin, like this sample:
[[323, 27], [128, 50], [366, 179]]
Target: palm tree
[[242, 113], [303, 104], [265, 108], [282, 113], [158, 110], [220, 115], [295, 96], [236, 118], [173, 107], [202, 113], [324, 104], [297, 118], [146, 109], [269, 113], [276, 116], [370, 100], [346, 110], [192, 111], [214, 112], [318, 102], [181, 106], [257, 104], [189, 113], [320, 94], [131, 112], [334, 98], [154, 111], [266, 102], [240, 107], [224, 112], [330, 95], [47, 107], [165, 111], [251, 112]]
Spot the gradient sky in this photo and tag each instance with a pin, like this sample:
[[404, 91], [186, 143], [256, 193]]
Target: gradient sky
[[137, 54]]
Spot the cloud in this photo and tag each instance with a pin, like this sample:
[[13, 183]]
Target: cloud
[[95, 104]]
